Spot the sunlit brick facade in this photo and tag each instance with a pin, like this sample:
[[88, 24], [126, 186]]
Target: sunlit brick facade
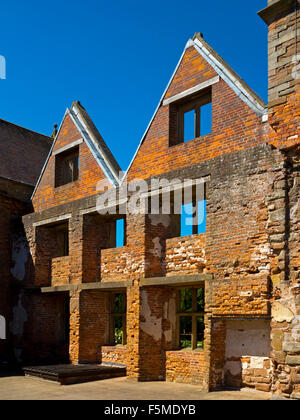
[[247, 259]]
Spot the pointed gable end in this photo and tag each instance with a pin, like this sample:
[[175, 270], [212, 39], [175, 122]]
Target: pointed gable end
[[78, 160], [201, 78]]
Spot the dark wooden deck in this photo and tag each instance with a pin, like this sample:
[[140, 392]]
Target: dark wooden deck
[[73, 374]]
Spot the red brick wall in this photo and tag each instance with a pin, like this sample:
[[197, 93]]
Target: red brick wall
[[187, 367], [89, 173], [192, 71], [236, 248], [45, 336], [89, 326], [60, 271], [114, 354], [234, 126], [115, 264], [185, 255]]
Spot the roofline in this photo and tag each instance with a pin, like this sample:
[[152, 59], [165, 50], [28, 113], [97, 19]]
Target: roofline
[[27, 129], [17, 181], [156, 110], [242, 90], [94, 148], [245, 94], [226, 74], [49, 154]]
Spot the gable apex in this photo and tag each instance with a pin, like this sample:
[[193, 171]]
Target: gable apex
[[91, 136], [95, 142], [235, 82], [243, 91]]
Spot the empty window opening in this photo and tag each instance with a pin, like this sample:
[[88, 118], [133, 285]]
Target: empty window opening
[[190, 119], [120, 233], [117, 233], [193, 218], [67, 167], [189, 125], [188, 211], [61, 233], [206, 119], [118, 331], [190, 318]]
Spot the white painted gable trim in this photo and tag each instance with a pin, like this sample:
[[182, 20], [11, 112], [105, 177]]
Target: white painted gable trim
[[188, 45], [223, 73], [104, 165], [95, 150], [50, 153], [230, 79]]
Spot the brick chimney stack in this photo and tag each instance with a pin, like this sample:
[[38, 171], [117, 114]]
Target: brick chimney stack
[[283, 20]]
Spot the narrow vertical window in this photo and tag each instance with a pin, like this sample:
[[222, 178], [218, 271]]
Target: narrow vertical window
[[61, 235], [120, 233], [189, 125], [118, 331], [206, 119]]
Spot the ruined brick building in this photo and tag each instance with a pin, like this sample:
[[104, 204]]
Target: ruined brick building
[[22, 155], [217, 307]]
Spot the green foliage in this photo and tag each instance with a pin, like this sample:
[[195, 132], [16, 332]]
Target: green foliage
[[186, 300], [118, 330], [200, 300], [118, 303]]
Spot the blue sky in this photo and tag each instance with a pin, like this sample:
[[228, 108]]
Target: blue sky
[[116, 58]]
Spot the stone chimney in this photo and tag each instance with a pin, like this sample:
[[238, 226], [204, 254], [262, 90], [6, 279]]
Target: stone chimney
[[283, 20]]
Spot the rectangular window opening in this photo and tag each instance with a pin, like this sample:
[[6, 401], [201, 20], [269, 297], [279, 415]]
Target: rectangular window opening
[[67, 167], [193, 218], [116, 233], [61, 234], [206, 119], [191, 323], [189, 125], [120, 233], [118, 332], [185, 332], [190, 118]]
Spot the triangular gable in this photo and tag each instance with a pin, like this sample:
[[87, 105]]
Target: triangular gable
[[96, 144], [224, 71], [93, 140]]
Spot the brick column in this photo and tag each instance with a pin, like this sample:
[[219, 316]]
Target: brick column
[[89, 325]]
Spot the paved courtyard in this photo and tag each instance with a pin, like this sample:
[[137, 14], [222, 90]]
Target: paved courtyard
[[25, 388]]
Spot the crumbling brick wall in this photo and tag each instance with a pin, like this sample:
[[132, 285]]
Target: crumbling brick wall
[[13, 257], [250, 247]]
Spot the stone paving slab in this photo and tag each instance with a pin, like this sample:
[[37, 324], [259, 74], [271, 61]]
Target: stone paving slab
[[27, 388]]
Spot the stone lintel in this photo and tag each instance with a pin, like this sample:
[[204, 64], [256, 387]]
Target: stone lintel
[[87, 286], [177, 280]]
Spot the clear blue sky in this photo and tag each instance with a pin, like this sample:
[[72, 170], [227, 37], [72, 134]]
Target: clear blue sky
[[116, 57]]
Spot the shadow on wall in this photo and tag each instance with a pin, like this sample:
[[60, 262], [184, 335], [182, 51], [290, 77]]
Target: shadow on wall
[[21, 273], [38, 325]]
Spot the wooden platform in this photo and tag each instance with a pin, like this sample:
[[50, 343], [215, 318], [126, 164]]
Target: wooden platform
[[74, 374]]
